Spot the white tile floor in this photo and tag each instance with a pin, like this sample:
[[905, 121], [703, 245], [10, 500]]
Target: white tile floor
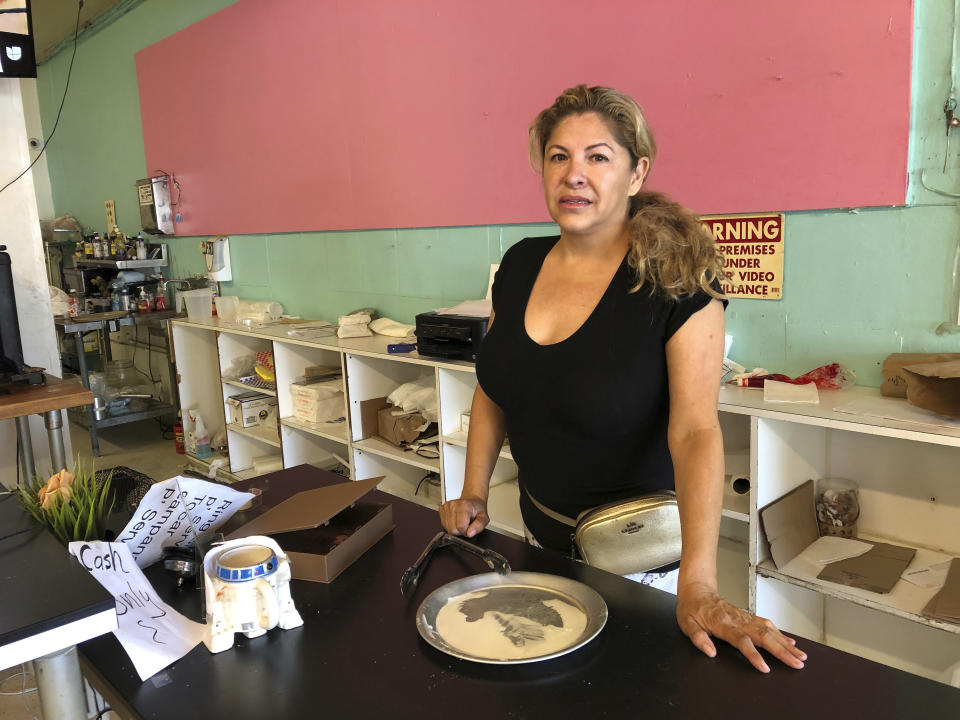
[[138, 446]]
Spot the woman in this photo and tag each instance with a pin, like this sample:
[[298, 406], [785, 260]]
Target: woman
[[602, 359]]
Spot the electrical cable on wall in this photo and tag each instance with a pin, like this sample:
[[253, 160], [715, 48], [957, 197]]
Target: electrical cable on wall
[[76, 34]]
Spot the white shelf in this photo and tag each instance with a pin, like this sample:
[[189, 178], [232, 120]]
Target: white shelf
[[908, 490], [906, 600], [459, 438], [735, 514], [749, 401], [456, 438], [252, 388], [331, 431], [503, 507], [408, 457], [403, 489], [203, 465], [257, 432]]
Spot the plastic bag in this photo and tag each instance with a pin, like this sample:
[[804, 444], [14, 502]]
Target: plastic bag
[[826, 377], [417, 396]]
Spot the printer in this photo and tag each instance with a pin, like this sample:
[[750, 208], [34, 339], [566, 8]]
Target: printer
[[450, 336]]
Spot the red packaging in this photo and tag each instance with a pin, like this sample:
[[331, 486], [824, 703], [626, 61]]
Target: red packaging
[[178, 438]]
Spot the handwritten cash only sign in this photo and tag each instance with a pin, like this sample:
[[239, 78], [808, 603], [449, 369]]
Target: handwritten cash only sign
[[153, 633], [752, 247], [173, 511]]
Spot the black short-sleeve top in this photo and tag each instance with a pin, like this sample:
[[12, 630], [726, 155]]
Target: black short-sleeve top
[[586, 417]]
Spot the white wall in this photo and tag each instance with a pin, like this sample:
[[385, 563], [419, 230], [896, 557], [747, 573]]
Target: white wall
[[20, 232]]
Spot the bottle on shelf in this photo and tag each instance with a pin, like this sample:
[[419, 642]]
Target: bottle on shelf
[[74, 304], [161, 301], [201, 439], [143, 302], [178, 435]]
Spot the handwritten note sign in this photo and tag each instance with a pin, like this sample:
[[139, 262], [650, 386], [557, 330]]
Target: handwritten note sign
[[174, 511], [153, 633]]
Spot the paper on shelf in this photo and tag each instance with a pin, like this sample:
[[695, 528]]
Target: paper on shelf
[[930, 577], [877, 570], [153, 633], [173, 511], [493, 273], [899, 409], [774, 391], [471, 308], [829, 549]]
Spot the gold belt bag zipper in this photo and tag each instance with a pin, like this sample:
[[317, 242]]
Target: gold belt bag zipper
[[627, 536]]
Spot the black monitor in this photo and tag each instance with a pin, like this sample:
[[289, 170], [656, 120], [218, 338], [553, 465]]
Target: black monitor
[[17, 57], [12, 368]]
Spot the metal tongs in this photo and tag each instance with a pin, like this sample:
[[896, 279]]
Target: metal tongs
[[411, 576]]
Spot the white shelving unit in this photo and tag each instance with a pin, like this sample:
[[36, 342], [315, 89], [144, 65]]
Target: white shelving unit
[[907, 475]]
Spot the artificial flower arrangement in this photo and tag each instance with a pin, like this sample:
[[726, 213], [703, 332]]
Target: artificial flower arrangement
[[75, 506]]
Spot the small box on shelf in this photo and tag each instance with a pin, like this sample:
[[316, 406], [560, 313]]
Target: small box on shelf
[[250, 408]]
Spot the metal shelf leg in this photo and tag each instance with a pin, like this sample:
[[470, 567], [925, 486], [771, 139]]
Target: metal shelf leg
[[54, 422], [26, 448], [85, 379]]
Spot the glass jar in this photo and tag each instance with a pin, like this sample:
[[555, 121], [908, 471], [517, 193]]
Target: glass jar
[[838, 507]]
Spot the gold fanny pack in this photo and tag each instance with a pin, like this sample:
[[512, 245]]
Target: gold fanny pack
[[627, 536]]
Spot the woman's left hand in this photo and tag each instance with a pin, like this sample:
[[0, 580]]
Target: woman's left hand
[[701, 612]]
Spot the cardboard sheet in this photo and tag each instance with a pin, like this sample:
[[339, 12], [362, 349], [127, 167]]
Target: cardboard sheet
[[790, 524], [945, 605], [877, 570]]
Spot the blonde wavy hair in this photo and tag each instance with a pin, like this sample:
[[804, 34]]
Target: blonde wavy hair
[[670, 249]]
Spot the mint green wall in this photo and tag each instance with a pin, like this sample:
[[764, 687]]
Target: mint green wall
[[858, 284]]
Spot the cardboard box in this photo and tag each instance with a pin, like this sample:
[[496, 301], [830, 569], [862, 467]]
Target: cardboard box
[[249, 408], [377, 418], [935, 387], [323, 530], [895, 380], [399, 429]]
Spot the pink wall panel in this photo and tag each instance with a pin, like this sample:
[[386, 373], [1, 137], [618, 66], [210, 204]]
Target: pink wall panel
[[295, 115]]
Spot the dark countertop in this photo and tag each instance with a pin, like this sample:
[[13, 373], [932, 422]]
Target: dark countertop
[[358, 655], [42, 587]]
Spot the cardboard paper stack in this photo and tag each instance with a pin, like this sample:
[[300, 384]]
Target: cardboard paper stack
[[790, 525], [945, 605]]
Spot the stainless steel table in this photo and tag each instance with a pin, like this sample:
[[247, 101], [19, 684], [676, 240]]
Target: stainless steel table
[[105, 323]]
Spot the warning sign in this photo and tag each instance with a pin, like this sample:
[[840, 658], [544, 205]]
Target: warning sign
[[752, 247]]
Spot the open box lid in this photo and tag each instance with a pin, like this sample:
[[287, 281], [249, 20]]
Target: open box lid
[[307, 509]]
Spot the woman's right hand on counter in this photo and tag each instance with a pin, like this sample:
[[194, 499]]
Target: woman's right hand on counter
[[464, 516]]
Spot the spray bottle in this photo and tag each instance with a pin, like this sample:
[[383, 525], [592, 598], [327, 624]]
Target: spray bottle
[[201, 438]]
